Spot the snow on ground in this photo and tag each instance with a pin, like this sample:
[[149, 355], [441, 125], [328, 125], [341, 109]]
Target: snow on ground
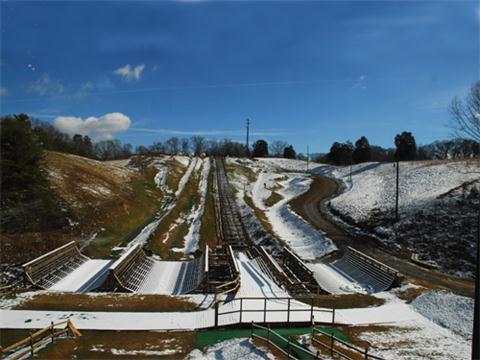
[[418, 339], [254, 283], [232, 349], [86, 277], [145, 233], [184, 160], [333, 281], [373, 185], [186, 176], [193, 236], [302, 238], [447, 310]]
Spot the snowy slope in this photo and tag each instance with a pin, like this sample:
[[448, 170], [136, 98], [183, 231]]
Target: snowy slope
[[302, 238], [373, 185]]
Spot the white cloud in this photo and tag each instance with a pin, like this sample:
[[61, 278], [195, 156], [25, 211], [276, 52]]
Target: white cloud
[[101, 128], [46, 86], [130, 73], [3, 91], [360, 83]]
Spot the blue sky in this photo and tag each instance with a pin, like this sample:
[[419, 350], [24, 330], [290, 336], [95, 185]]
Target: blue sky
[[307, 72]]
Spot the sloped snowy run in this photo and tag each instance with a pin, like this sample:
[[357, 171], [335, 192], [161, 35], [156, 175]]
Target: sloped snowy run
[[193, 236], [145, 233], [304, 240]]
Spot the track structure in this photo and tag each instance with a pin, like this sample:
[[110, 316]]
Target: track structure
[[293, 275]]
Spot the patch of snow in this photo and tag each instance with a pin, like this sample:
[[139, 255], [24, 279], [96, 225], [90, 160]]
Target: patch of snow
[[184, 160], [448, 310], [302, 238], [373, 185], [232, 349], [185, 177], [193, 236]]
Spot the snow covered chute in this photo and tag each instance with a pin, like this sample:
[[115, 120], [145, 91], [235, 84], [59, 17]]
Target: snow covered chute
[[47, 269], [365, 270], [299, 274], [134, 271]]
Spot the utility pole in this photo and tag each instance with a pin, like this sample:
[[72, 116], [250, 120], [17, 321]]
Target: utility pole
[[308, 157], [476, 311], [396, 193], [248, 132]]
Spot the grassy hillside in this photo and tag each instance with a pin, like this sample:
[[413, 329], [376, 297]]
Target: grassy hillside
[[103, 198]]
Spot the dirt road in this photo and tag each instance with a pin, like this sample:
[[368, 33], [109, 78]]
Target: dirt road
[[309, 206]]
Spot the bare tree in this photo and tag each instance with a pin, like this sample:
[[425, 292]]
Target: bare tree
[[172, 145], [198, 145], [466, 114], [185, 146], [277, 147]]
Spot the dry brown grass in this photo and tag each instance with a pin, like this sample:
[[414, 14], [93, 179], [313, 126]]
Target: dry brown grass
[[208, 230], [172, 229], [344, 301], [101, 198], [121, 344], [273, 199], [106, 302]]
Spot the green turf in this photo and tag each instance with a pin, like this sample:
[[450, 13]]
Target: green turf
[[205, 338]]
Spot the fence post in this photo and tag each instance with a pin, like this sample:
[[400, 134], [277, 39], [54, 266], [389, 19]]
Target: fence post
[[241, 309], [31, 343], [289, 348], [333, 315], [311, 309], [331, 344], [53, 331], [288, 311], [216, 314], [268, 336], [252, 331], [265, 310], [366, 353], [318, 354]]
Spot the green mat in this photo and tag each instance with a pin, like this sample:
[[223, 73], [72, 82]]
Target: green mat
[[206, 338]]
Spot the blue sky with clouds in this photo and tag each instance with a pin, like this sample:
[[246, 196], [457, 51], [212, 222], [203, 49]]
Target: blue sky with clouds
[[308, 72]]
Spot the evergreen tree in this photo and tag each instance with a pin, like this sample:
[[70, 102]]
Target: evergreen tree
[[289, 152], [362, 152], [341, 154], [260, 149], [406, 146]]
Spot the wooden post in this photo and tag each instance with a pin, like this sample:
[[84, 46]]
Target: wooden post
[[31, 343], [318, 354], [366, 353], [333, 315], [241, 309], [289, 348], [252, 331], [332, 343], [311, 309], [53, 331], [268, 336], [265, 310], [288, 311], [396, 192], [216, 314]]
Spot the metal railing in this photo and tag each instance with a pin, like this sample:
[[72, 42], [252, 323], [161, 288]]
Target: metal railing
[[287, 347], [288, 310], [332, 340]]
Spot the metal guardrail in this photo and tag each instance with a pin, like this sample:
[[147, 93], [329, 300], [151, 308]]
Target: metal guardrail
[[338, 351], [272, 338], [309, 308]]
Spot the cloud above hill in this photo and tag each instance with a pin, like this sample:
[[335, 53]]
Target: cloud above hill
[[128, 72], [97, 128]]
